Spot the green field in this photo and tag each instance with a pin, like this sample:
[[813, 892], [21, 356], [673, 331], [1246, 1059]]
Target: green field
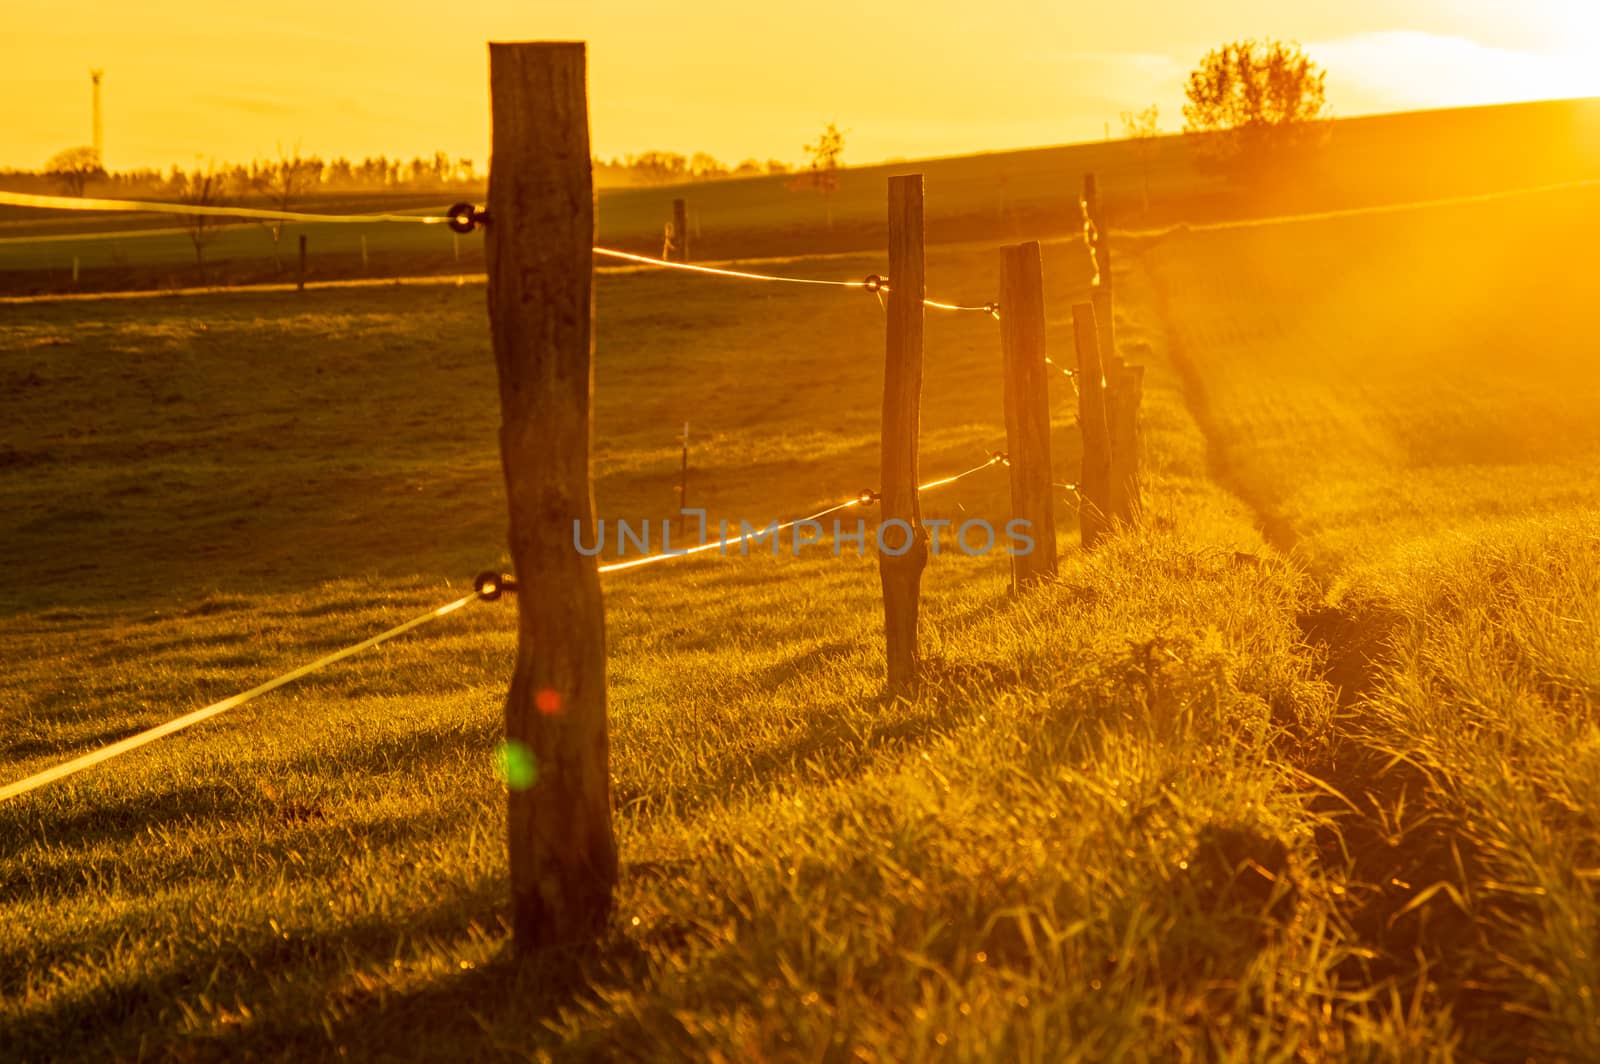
[[1305, 769], [1409, 402], [1016, 195]]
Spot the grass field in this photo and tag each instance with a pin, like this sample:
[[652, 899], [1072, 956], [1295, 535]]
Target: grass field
[[1409, 401], [1303, 770], [805, 863], [1015, 195]]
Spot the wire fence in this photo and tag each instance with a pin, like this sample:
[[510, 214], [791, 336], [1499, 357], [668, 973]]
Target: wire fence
[[150, 735], [204, 210], [483, 591], [459, 217]]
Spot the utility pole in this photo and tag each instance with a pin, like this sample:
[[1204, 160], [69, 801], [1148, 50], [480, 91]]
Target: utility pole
[[99, 132]]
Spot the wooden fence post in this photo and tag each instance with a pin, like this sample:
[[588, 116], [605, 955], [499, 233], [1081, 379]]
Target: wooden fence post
[[901, 573], [1102, 249], [1124, 393], [538, 245], [302, 285], [1123, 396], [1095, 233], [1027, 406], [683, 475], [680, 231], [1088, 204], [1094, 482], [1105, 329]]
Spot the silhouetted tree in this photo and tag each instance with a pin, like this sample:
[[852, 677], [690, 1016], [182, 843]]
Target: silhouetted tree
[[1261, 101], [825, 155], [75, 168], [706, 167], [283, 182], [202, 188], [373, 171], [659, 167]]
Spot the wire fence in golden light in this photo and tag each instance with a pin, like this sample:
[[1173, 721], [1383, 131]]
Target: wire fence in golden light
[[460, 218], [487, 590]]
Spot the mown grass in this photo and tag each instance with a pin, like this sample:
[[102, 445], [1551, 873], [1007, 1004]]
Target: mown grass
[[1408, 400]]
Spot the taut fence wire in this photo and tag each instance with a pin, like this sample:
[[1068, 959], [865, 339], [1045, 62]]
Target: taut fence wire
[[205, 210], [177, 724], [487, 590], [461, 218]]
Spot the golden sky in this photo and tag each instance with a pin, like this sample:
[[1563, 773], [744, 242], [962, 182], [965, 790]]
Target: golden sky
[[188, 81]]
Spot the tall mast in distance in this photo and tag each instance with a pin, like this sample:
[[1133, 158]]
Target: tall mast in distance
[[99, 134]]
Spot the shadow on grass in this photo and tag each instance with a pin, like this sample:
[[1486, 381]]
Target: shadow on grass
[[325, 996], [136, 1012], [99, 832], [846, 735]]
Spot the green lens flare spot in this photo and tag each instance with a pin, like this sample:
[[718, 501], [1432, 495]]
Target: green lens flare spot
[[515, 765]]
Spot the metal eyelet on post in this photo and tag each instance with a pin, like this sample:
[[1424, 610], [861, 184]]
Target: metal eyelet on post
[[464, 217], [490, 585]]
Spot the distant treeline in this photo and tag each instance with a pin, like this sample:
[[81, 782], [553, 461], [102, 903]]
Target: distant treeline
[[670, 168], [76, 172], [302, 173]]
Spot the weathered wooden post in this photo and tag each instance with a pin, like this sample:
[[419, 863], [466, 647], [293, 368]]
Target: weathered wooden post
[[539, 241], [1124, 393], [1027, 406], [683, 475], [902, 539], [1094, 482], [302, 283], [1102, 249], [680, 231], [1095, 236], [1105, 329], [1089, 207]]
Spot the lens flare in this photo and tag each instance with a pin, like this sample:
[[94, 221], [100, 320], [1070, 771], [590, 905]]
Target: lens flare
[[515, 765]]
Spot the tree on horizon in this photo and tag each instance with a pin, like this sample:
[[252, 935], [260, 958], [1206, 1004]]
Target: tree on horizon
[[1258, 103]]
